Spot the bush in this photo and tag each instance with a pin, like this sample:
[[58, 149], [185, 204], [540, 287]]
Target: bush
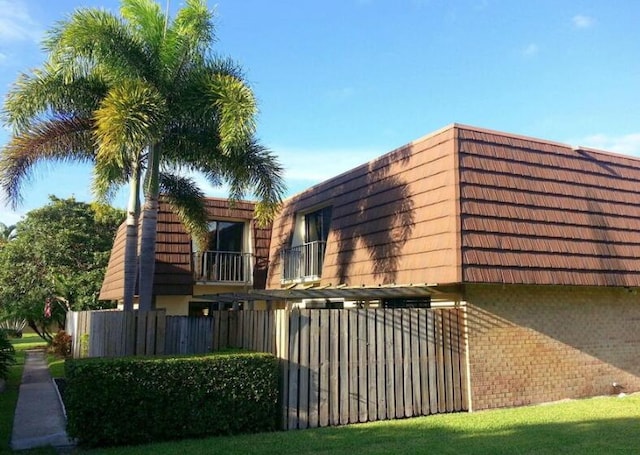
[[141, 400], [13, 327], [7, 355], [61, 344]]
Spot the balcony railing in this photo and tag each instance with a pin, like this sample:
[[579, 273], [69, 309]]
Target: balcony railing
[[222, 266], [303, 262]]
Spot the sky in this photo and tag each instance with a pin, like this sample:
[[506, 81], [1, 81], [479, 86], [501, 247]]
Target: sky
[[340, 82]]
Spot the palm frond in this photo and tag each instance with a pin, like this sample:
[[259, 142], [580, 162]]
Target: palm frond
[[254, 168], [58, 139], [187, 202], [109, 175], [130, 117], [187, 41], [93, 37], [148, 23], [146, 17], [193, 25], [234, 106], [190, 141], [44, 91]]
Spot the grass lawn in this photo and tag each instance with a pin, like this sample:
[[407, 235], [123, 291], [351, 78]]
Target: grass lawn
[[592, 426]]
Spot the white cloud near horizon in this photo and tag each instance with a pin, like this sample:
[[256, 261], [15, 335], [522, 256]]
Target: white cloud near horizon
[[16, 24], [582, 21], [311, 166]]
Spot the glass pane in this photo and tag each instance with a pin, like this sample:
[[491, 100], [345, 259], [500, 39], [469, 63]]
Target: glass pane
[[317, 225], [230, 236]]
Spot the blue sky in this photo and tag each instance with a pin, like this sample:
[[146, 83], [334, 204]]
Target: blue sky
[[342, 81]]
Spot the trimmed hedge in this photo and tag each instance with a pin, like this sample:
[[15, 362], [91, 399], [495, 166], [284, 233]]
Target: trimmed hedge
[[139, 400]]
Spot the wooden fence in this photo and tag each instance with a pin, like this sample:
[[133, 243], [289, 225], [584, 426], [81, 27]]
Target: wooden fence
[[338, 366], [118, 333]]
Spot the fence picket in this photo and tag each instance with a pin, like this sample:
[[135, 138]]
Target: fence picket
[[324, 366], [314, 368], [380, 385], [363, 386], [372, 363]]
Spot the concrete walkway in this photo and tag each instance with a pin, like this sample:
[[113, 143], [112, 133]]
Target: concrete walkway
[[39, 419]]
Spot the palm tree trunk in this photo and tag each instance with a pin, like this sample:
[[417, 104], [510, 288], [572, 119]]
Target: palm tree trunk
[[148, 231], [131, 240]]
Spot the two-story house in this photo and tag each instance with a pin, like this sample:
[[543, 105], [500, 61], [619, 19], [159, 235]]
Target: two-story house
[[538, 241]]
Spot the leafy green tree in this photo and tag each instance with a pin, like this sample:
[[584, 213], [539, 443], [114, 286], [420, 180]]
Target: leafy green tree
[[135, 93], [59, 256]]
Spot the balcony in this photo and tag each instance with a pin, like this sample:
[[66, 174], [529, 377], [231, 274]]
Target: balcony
[[303, 262], [222, 267]]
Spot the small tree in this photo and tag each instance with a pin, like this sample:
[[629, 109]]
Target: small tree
[[56, 263]]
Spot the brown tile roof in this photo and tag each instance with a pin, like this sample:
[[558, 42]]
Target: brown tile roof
[[113, 283], [544, 213], [391, 218], [467, 205], [173, 274], [461, 205]]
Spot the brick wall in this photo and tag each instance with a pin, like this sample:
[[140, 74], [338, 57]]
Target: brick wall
[[535, 344]]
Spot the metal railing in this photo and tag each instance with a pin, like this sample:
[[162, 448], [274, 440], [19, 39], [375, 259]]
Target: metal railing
[[303, 262], [222, 266]]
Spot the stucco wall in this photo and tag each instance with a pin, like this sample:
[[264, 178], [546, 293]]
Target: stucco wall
[[535, 344]]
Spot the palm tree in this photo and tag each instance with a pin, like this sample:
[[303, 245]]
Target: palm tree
[[135, 94]]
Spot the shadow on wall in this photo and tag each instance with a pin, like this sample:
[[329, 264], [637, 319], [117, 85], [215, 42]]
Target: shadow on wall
[[381, 220], [587, 336]]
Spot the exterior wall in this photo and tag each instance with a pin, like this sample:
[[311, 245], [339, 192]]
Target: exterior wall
[[535, 344], [175, 305], [390, 218], [203, 289]]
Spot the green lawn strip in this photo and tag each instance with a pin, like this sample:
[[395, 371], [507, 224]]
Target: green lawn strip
[[28, 341], [56, 366], [591, 426], [8, 400]]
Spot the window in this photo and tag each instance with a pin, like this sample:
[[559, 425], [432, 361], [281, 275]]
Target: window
[[304, 260], [316, 225], [226, 236], [225, 258]]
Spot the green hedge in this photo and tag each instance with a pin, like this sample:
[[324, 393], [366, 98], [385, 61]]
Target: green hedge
[[139, 400]]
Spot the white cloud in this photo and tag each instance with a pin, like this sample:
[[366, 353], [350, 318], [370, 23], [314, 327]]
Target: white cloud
[[582, 21], [16, 24], [628, 144], [530, 49], [9, 217], [306, 167]]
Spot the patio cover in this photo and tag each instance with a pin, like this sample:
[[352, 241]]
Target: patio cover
[[356, 293]]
